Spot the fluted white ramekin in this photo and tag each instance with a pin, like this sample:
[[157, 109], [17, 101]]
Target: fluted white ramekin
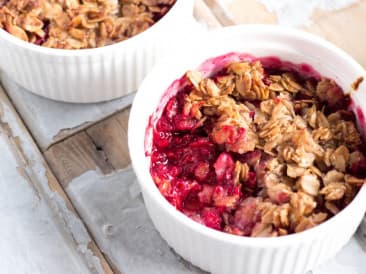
[[92, 75], [222, 253]]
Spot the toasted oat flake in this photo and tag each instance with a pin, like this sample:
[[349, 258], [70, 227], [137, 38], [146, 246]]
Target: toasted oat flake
[[263, 152], [355, 85]]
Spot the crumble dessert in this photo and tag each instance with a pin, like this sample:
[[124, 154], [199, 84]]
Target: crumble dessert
[[79, 24], [258, 151]]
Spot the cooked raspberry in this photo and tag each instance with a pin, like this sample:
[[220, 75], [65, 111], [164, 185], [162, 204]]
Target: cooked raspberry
[[224, 168], [163, 139], [246, 216], [205, 196], [227, 134], [211, 217], [251, 158], [171, 108], [226, 197], [184, 123], [252, 180], [201, 171]]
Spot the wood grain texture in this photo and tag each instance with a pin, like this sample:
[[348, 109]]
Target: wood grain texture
[[74, 156], [26, 167], [102, 147], [50, 121], [110, 136]]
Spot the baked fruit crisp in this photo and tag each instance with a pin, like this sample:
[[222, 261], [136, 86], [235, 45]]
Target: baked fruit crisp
[[79, 24], [258, 150]]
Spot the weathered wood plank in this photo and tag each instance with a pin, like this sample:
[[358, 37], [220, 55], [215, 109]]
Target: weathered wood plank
[[34, 170], [113, 209], [51, 121], [74, 156], [102, 147], [31, 241], [110, 136]]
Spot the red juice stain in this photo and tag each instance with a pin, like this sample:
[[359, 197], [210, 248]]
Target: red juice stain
[[271, 62], [361, 117], [172, 90]]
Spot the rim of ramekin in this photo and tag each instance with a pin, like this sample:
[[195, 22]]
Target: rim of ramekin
[[155, 194], [89, 51]]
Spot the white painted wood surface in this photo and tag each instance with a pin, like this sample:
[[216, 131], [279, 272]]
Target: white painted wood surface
[[30, 239], [50, 121], [39, 234], [113, 209]]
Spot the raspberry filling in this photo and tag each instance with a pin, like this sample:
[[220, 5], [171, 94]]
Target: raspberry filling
[[258, 148]]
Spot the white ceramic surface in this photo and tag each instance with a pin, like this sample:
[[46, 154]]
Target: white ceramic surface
[[222, 253], [92, 75]]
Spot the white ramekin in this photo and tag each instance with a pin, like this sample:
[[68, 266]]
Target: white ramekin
[[92, 75], [219, 252]]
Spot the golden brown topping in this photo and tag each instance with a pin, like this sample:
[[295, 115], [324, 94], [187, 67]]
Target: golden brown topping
[[333, 176], [352, 180], [75, 24], [333, 191], [339, 158], [309, 183], [332, 207], [249, 81], [279, 193], [357, 83], [241, 172], [295, 171]]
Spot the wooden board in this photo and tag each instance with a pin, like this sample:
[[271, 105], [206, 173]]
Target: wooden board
[[48, 194], [102, 147]]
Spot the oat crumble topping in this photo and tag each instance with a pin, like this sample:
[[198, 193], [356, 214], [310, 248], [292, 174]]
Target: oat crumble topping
[[79, 24], [258, 152]]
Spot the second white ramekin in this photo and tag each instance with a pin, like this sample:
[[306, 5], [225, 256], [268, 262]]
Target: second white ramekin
[[93, 75], [222, 253]]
